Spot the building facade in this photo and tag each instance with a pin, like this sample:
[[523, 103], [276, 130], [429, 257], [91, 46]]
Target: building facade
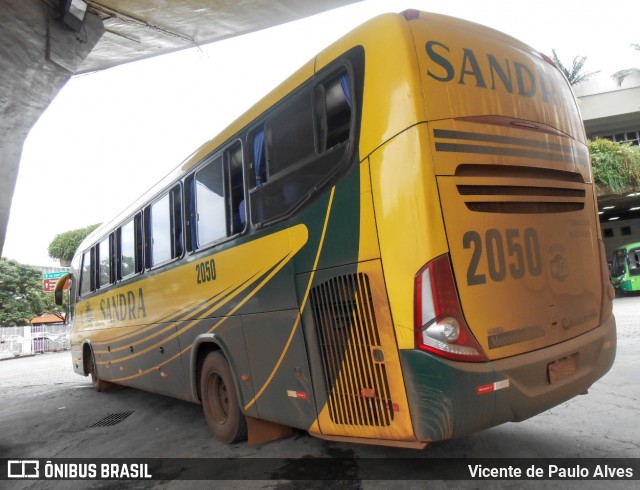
[[613, 112]]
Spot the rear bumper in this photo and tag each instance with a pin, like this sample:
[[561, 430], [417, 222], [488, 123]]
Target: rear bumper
[[449, 399]]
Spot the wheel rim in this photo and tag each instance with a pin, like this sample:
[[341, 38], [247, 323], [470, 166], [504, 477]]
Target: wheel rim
[[219, 398], [92, 371]]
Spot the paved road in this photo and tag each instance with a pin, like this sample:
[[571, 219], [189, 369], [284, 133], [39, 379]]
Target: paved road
[[47, 411]]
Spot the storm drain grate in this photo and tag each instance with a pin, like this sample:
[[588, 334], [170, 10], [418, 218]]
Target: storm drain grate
[[111, 419]]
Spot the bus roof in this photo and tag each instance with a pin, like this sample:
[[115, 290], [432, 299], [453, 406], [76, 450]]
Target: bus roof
[[366, 35]]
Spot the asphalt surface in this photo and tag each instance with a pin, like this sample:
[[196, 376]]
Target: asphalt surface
[[47, 411]]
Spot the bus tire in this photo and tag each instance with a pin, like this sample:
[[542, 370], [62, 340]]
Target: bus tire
[[97, 383], [220, 400]]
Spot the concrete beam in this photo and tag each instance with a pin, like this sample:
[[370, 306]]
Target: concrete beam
[[37, 57]]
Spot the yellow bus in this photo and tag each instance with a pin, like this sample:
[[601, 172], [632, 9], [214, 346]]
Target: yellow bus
[[398, 245]]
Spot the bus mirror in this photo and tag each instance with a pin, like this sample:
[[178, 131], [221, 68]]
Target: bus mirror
[[62, 285]]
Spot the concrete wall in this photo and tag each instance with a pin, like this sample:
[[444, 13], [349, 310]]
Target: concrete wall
[[606, 108], [618, 239]]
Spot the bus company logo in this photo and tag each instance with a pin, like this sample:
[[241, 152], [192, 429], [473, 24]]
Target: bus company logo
[[23, 468], [486, 70], [88, 313], [559, 265]]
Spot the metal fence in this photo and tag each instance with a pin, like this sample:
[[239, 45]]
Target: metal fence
[[33, 339]]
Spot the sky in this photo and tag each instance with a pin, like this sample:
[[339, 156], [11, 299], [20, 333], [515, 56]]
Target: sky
[[109, 136]]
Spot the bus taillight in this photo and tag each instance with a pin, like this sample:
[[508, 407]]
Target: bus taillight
[[439, 324]]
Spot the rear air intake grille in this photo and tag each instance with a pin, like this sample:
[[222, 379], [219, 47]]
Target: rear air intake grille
[[516, 171], [355, 374]]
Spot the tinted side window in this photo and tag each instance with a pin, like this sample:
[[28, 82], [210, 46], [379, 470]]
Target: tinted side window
[[215, 195], [633, 257], [236, 214], [335, 101], [104, 262], [130, 247], [163, 229], [290, 133], [302, 144], [160, 231], [209, 202], [177, 238]]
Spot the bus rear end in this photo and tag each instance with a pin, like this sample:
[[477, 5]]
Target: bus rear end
[[516, 316]]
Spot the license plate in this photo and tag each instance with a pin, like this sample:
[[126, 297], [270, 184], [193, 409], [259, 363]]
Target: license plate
[[562, 369]]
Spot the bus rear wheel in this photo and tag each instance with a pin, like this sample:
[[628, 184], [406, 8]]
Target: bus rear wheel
[[220, 400]]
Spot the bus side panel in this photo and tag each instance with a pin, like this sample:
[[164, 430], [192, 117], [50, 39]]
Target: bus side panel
[[347, 324], [263, 287], [128, 352], [279, 368], [332, 221], [354, 358], [151, 363], [126, 349], [224, 333]]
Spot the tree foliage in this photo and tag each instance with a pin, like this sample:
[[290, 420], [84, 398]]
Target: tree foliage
[[619, 76], [64, 245], [21, 294], [615, 165], [574, 73]]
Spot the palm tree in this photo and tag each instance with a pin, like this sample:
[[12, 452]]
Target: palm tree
[[574, 74], [619, 76]]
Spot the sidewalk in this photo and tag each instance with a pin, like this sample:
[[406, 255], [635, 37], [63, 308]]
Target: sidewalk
[[49, 369]]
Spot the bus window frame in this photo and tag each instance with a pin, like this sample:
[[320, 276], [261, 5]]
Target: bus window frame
[[193, 204], [109, 239], [138, 232], [635, 270], [174, 189], [314, 87], [238, 147], [190, 196], [90, 270]]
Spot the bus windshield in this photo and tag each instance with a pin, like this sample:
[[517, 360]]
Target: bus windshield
[[633, 259], [618, 266]]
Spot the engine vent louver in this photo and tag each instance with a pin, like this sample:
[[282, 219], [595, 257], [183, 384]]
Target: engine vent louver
[[547, 191], [525, 180], [355, 373]]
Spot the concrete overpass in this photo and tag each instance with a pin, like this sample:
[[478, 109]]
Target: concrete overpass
[[46, 42]]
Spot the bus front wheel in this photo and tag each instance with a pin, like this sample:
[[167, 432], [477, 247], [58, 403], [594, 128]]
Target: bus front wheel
[[220, 400], [98, 384]]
